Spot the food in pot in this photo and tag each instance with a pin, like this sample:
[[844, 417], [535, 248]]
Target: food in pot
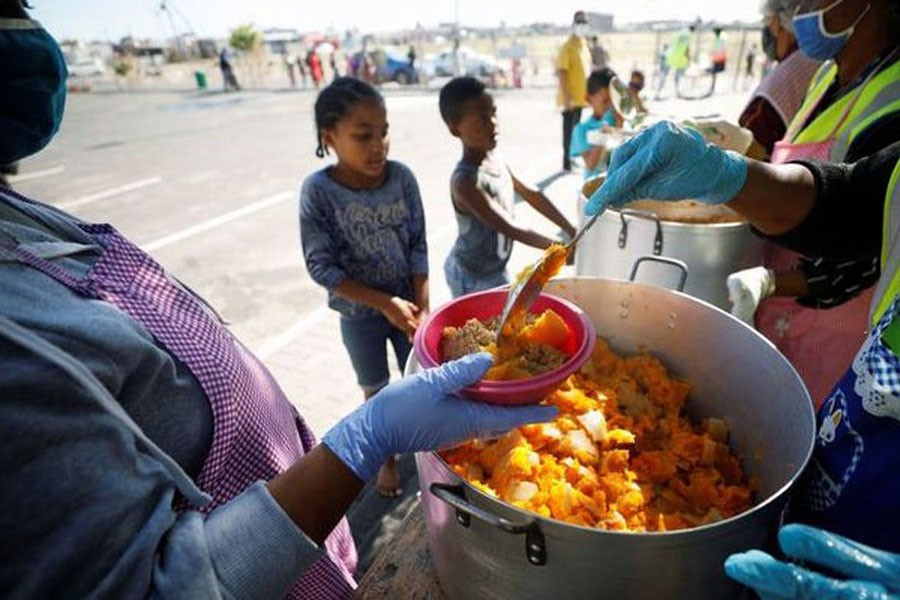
[[691, 212], [622, 454], [537, 347]]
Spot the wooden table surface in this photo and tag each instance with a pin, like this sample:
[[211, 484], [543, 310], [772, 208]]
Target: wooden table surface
[[403, 569]]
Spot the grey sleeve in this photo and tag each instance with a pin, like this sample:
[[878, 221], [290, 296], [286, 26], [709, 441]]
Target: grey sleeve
[[418, 251], [86, 508], [317, 238]]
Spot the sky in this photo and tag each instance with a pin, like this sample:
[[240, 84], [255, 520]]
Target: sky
[[112, 19]]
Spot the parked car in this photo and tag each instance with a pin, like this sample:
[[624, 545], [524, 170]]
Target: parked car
[[388, 67], [398, 69], [470, 63], [86, 68]]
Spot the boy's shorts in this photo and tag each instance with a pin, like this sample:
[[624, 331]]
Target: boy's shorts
[[462, 281], [365, 340]]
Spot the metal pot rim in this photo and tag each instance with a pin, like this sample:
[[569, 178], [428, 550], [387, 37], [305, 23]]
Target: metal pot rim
[[674, 224], [683, 225]]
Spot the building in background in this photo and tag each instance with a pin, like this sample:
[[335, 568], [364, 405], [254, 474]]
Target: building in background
[[600, 22], [280, 40]]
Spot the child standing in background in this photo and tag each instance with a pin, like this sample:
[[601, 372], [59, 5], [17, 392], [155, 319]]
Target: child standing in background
[[602, 117], [483, 189], [362, 228]]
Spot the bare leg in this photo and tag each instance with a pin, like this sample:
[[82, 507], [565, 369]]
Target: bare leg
[[388, 481]]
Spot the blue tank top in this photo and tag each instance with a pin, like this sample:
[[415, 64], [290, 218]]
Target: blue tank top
[[479, 248]]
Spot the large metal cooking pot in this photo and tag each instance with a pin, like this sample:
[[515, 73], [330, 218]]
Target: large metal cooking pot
[[711, 251], [483, 548]]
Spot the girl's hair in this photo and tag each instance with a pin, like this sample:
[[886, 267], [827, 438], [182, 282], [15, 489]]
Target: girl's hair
[[336, 100]]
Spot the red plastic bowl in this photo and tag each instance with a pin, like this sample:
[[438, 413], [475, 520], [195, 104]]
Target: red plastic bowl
[[488, 304]]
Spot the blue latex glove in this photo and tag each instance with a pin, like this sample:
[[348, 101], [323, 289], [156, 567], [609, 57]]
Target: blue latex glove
[[420, 412], [865, 572], [669, 162]]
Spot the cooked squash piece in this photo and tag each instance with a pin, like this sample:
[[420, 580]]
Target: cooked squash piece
[[549, 328], [621, 455]]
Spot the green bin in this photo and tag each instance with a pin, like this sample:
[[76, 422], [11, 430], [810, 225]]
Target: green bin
[[200, 76]]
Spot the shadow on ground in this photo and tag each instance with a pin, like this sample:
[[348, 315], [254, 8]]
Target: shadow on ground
[[374, 519]]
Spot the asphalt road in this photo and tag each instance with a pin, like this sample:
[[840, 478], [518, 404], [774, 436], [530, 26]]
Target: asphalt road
[[209, 184]]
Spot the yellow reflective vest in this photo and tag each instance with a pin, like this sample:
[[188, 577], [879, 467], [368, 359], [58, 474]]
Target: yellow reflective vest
[[889, 284], [850, 115]]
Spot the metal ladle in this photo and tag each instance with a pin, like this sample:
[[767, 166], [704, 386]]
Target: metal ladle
[[528, 286]]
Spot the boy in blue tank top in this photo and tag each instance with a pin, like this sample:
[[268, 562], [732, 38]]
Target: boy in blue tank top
[[483, 190]]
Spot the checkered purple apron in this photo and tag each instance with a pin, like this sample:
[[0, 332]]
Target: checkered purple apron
[[257, 432]]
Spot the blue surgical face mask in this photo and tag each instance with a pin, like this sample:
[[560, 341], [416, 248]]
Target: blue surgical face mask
[[32, 88], [814, 40]]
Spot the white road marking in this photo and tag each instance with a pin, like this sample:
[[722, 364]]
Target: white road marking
[[122, 189], [278, 342], [204, 176], [36, 174], [217, 221]]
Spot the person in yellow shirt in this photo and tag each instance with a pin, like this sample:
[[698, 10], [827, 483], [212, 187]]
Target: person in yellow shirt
[[573, 65]]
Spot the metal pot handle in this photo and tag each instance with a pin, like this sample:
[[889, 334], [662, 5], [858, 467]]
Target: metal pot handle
[[646, 214], [454, 495], [680, 265]]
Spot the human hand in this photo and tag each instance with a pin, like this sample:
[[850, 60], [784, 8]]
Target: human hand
[[864, 572], [747, 288], [724, 134], [420, 413], [420, 318], [669, 162], [402, 314]]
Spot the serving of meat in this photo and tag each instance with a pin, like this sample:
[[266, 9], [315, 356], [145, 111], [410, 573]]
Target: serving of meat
[[473, 336], [534, 350]]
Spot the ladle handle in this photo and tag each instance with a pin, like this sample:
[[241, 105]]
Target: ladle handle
[[585, 227]]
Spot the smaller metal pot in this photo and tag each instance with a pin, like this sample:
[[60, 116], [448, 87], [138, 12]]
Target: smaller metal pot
[[711, 251]]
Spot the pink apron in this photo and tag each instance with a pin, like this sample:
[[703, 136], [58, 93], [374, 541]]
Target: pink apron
[[820, 343], [257, 433]]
